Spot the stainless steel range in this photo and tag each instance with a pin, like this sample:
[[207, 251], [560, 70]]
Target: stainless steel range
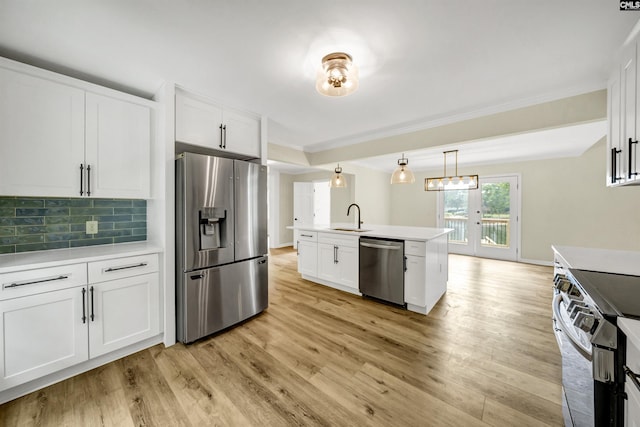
[[586, 306]]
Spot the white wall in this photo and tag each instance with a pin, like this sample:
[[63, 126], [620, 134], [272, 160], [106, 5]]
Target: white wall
[[564, 202]]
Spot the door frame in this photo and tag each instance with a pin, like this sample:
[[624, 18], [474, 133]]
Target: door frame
[[471, 251]]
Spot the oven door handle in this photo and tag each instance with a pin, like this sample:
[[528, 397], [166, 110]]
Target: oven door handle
[[585, 352]]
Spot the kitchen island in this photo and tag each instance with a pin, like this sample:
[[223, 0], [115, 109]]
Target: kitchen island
[[329, 255]]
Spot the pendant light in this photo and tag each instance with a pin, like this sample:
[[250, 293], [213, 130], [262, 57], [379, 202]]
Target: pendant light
[[454, 182], [338, 180], [402, 174]]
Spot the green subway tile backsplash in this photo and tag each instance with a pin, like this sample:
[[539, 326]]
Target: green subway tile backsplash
[[38, 223]]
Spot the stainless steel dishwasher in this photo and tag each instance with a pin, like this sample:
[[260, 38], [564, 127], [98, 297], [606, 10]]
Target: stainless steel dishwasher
[[382, 269]]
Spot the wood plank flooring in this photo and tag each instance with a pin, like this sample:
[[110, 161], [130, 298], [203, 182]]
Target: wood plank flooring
[[485, 356]]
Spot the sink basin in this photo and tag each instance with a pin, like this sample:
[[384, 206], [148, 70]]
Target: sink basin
[[355, 230]]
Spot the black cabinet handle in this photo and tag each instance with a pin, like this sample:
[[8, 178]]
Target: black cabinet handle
[[84, 309], [335, 254], [630, 153], [92, 316], [298, 247], [405, 263], [81, 174], [614, 165], [221, 137], [88, 180], [225, 136]]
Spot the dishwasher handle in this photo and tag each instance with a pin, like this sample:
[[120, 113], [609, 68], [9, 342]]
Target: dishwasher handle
[[374, 246]]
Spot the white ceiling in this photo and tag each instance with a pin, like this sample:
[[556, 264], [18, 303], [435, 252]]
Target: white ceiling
[[420, 60]]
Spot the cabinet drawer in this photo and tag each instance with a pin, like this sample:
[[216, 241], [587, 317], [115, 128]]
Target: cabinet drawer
[[338, 239], [413, 247], [308, 236], [29, 282], [118, 268]]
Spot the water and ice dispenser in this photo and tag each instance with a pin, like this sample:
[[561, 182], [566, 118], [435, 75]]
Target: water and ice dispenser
[[212, 229]]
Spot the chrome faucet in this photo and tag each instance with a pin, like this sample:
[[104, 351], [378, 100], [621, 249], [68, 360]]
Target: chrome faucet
[[349, 209]]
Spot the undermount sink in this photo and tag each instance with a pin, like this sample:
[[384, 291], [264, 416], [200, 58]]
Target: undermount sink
[[355, 230]]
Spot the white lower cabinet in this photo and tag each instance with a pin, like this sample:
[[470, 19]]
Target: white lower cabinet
[[41, 334], [338, 260], [414, 281], [307, 245], [123, 312], [51, 319], [425, 278]]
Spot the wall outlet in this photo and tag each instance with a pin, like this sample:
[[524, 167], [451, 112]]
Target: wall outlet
[[92, 227]]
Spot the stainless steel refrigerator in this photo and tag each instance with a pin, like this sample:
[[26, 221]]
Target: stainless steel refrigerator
[[221, 239]]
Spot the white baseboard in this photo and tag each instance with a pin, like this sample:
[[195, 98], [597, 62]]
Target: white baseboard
[[536, 262], [282, 245]]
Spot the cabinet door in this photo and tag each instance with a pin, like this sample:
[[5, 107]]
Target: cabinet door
[[242, 133], [414, 281], [41, 334], [198, 122], [628, 105], [348, 266], [118, 143], [41, 130], [327, 267], [615, 126], [308, 258], [123, 312]]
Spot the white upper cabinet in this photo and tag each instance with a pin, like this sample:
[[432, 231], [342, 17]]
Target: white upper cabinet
[[624, 119], [118, 138], [59, 140], [41, 136], [206, 124]]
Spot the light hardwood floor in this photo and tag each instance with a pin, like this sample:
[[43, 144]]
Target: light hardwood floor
[[486, 355]]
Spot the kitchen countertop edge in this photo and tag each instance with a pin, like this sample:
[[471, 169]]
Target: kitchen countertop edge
[[42, 259], [604, 260], [383, 231]]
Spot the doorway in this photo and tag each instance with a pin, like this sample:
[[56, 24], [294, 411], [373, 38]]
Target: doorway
[[311, 205], [485, 221]]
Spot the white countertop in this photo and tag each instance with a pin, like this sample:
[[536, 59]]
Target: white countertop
[[384, 231], [605, 260], [41, 259]]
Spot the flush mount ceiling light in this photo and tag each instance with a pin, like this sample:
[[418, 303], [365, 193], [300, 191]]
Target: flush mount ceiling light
[[337, 180], [402, 174], [455, 182], [338, 76]]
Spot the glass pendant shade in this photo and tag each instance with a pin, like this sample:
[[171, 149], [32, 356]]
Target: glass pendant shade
[[402, 174], [453, 182], [338, 76], [338, 180]]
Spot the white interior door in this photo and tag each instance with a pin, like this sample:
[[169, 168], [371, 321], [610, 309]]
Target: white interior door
[[321, 203], [485, 221], [302, 207]]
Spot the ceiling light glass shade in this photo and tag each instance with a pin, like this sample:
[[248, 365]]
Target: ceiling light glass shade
[[338, 76], [338, 180], [453, 182], [402, 174], [463, 182]]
